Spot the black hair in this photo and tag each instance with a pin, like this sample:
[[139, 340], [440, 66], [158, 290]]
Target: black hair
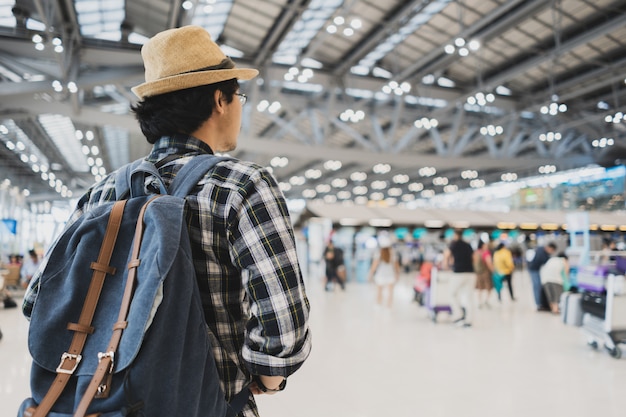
[[181, 111], [501, 246], [552, 245]]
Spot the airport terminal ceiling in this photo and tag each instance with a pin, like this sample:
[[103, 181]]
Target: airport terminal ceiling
[[359, 98]]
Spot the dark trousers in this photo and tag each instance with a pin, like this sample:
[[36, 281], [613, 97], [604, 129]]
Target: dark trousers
[[509, 281], [332, 276]]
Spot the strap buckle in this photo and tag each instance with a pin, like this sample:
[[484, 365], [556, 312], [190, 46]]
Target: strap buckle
[[109, 354], [70, 356]]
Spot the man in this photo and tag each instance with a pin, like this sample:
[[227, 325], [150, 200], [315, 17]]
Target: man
[[458, 257], [542, 254], [333, 257], [242, 240]]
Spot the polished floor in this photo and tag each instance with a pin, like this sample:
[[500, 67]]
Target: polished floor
[[371, 361]]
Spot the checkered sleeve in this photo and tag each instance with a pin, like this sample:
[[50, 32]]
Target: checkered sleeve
[[277, 339]]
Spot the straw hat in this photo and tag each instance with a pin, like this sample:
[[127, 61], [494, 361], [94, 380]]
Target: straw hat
[[183, 58]]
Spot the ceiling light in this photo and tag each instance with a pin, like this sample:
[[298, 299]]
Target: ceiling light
[[339, 182], [309, 193], [381, 168], [395, 192], [401, 179], [322, 188], [379, 185], [449, 49], [360, 190], [263, 105], [427, 171], [416, 187], [332, 165], [274, 107], [297, 180]]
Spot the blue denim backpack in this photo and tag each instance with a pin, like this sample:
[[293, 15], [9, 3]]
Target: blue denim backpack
[[118, 327]]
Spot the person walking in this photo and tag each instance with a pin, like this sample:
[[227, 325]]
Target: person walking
[[242, 240], [385, 271], [504, 266], [542, 254], [333, 257], [483, 267], [458, 257]]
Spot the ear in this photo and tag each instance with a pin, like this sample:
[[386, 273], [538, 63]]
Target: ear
[[220, 102]]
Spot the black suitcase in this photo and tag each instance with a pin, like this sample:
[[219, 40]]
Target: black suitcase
[[594, 303]]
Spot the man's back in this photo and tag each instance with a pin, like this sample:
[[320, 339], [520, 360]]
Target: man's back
[[243, 249], [540, 258], [461, 252]]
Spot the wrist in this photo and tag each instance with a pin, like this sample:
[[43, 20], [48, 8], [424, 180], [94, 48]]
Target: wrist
[[270, 383]]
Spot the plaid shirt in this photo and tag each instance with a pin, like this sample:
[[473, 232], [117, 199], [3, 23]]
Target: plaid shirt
[[246, 264]]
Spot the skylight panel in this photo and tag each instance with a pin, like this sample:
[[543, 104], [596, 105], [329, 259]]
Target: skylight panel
[[116, 141], [6, 15], [63, 133], [305, 29], [392, 41], [212, 16], [100, 19], [16, 140]]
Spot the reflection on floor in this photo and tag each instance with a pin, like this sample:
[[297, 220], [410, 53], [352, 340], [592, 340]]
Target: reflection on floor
[[371, 361]]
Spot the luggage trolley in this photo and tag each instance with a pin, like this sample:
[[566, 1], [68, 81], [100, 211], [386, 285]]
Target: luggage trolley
[[604, 316], [438, 294]]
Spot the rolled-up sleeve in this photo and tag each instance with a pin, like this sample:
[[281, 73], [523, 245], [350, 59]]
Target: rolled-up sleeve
[[277, 338]]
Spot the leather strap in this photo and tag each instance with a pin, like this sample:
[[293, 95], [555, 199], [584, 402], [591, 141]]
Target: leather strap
[[71, 358], [101, 378]]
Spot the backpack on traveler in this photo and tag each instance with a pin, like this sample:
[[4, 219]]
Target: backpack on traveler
[[118, 327]]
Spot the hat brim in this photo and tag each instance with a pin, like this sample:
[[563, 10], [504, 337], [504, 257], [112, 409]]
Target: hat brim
[[190, 80]]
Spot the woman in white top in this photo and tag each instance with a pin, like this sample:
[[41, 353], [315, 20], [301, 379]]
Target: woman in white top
[[555, 279], [385, 272]]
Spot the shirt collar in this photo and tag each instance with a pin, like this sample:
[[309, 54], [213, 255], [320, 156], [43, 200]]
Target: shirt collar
[[178, 144]]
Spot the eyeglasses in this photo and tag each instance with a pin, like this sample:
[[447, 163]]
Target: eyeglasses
[[242, 98]]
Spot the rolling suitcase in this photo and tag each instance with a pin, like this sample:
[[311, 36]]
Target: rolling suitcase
[[570, 305], [594, 303]]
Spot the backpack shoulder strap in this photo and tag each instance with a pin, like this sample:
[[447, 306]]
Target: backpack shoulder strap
[[182, 184], [192, 172], [122, 179]]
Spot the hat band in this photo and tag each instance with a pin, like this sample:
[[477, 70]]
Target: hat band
[[226, 63]]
